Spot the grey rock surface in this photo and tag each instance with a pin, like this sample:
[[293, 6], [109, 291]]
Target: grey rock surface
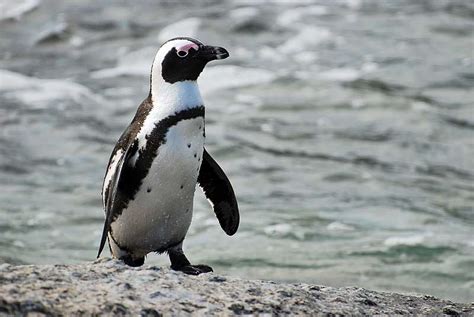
[[107, 287]]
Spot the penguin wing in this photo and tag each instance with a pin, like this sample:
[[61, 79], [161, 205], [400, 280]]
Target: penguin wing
[[111, 197], [218, 191]]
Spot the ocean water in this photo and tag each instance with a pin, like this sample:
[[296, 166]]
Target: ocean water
[[346, 128]]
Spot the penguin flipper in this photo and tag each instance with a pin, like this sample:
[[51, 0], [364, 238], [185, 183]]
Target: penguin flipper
[[218, 191], [112, 193]]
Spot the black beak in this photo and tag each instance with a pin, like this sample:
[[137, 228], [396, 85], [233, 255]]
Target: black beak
[[210, 53]]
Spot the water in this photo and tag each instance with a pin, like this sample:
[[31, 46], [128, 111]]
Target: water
[[346, 128]]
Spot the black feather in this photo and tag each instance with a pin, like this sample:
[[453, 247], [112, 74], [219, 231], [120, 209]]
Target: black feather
[[218, 190]]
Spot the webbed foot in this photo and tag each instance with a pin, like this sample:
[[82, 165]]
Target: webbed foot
[[193, 269], [179, 262]]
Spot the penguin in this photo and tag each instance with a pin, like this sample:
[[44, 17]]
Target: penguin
[[149, 186]]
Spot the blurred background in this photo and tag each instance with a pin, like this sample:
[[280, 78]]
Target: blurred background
[[346, 128]]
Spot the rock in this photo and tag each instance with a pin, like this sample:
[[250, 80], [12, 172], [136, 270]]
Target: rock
[[108, 287]]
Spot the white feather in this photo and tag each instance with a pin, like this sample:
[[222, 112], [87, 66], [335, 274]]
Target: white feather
[[208, 200], [110, 172]]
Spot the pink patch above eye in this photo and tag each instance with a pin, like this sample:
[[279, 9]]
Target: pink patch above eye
[[187, 47]]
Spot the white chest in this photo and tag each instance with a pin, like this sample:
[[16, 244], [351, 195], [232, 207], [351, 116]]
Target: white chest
[[161, 211], [179, 158]]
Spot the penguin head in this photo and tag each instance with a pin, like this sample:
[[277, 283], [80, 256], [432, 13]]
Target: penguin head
[[182, 59]]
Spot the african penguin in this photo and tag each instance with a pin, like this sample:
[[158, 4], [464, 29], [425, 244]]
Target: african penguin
[[149, 186]]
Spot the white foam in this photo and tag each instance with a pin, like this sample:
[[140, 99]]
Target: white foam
[[211, 221], [405, 240], [52, 30], [242, 53], [358, 103], [292, 16], [135, 63], [18, 244], [420, 106], [244, 13], [339, 226], [187, 27], [231, 76], [306, 57], [308, 37], [14, 81], [278, 229], [10, 9], [348, 74], [369, 67], [353, 4], [251, 100], [77, 41], [31, 90], [270, 54], [340, 74]]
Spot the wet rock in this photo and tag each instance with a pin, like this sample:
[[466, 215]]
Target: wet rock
[[111, 288], [369, 302], [218, 279], [149, 312], [448, 310]]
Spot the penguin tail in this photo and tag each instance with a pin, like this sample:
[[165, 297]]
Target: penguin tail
[[103, 239]]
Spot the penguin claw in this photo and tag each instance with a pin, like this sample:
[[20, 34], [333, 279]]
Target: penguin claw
[[194, 269], [204, 268]]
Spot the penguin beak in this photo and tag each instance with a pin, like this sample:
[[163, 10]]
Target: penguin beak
[[210, 53]]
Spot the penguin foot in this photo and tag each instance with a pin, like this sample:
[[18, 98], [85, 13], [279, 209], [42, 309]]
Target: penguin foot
[[132, 262], [193, 269], [179, 262]]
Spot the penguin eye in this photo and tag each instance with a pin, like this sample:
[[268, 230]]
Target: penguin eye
[[182, 54]]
